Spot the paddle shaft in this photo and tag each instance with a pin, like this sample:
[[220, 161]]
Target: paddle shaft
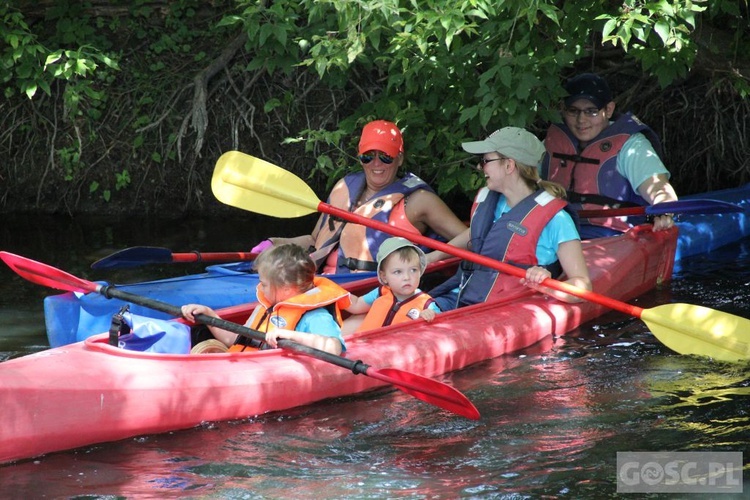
[[138, 256], [212, 256], [112, 292], [689, 206], [612, 212], [279, 190]]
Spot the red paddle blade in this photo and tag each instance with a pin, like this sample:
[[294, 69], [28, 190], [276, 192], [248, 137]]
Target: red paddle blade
[[428, 390], [45, 275]]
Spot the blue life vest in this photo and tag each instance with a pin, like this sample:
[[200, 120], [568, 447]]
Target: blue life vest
[[351, 254]]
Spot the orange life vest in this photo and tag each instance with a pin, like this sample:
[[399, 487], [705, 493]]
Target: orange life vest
[[387, 310], [288, 313]]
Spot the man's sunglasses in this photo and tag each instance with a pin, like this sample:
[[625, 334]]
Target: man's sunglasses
[[384, 158]]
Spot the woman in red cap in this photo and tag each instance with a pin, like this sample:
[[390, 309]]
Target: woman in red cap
[[377, 192]]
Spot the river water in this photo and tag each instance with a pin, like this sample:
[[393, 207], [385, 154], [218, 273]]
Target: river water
[[553, 416]]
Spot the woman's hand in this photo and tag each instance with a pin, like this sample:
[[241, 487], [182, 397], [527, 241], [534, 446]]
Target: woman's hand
[[534, 276]]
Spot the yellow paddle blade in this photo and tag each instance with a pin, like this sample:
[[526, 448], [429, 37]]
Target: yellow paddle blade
[[246, 182], [691, 329]]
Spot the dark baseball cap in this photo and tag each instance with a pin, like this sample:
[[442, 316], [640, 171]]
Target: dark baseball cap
[[588, 86]]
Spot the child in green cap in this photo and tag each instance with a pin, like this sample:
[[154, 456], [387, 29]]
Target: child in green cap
[[400, 267]]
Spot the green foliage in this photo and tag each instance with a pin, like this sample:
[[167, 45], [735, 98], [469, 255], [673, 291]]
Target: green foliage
[[657, 33], [30, 63], [69, 159], [123, 180], [69, 56], [444, 71], [448, 71]]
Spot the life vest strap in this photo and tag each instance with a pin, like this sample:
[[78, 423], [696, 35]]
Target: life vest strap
[[356, 265], [598, 199], [576, 158]]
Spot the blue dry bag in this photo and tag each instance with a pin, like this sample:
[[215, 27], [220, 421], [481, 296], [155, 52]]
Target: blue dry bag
[[139, 333]]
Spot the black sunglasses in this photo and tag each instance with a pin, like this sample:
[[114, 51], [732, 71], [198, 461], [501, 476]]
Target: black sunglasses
[[384, 158], [483, 161]]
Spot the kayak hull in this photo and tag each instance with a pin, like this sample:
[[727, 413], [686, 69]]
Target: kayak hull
[[701, 234], [89, 392]]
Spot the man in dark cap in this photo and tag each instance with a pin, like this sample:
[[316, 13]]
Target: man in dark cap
[[603, 160]]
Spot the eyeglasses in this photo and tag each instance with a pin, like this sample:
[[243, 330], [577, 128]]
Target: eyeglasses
[[384, 158], [485, 161], [588, 112]]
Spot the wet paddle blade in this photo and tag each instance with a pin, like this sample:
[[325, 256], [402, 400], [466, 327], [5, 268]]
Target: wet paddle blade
[[45, 275], [691, 329], [134, 257], [246, 182], [428, 390], [694, 206]]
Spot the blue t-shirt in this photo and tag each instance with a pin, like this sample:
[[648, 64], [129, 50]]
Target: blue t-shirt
[[321, 322], [373, 294]]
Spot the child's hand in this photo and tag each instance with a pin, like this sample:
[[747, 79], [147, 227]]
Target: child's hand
[[428, 315], [190, 311], [272, 336]]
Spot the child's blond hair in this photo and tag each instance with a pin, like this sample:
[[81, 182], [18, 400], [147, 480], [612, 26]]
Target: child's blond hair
[[287, 265]]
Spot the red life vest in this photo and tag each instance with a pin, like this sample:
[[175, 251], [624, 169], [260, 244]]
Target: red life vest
[[288, 313], [512, 238], [590, 176], [387, 310]]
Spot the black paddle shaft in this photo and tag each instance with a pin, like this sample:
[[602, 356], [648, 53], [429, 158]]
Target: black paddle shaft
[[356, 367]]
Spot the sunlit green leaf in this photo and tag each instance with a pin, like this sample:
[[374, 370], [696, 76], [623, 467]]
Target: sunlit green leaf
[[662, 29]]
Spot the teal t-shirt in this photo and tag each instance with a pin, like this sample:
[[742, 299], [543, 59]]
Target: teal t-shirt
[[321, 322], [637, 161]]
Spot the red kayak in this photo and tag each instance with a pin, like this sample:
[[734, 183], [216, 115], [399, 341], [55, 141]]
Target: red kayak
[[90, 392]]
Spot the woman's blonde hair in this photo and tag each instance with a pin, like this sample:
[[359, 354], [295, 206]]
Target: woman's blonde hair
[[287, 265], [530, 176]]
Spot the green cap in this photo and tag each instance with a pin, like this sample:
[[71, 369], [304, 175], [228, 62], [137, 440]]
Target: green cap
[[391, 245], [511, 142]]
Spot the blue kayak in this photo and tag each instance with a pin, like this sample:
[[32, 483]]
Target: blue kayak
[[701, 234], [72, 317]]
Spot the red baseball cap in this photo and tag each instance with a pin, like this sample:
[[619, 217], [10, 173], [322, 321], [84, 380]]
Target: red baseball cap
[[381, 135]]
